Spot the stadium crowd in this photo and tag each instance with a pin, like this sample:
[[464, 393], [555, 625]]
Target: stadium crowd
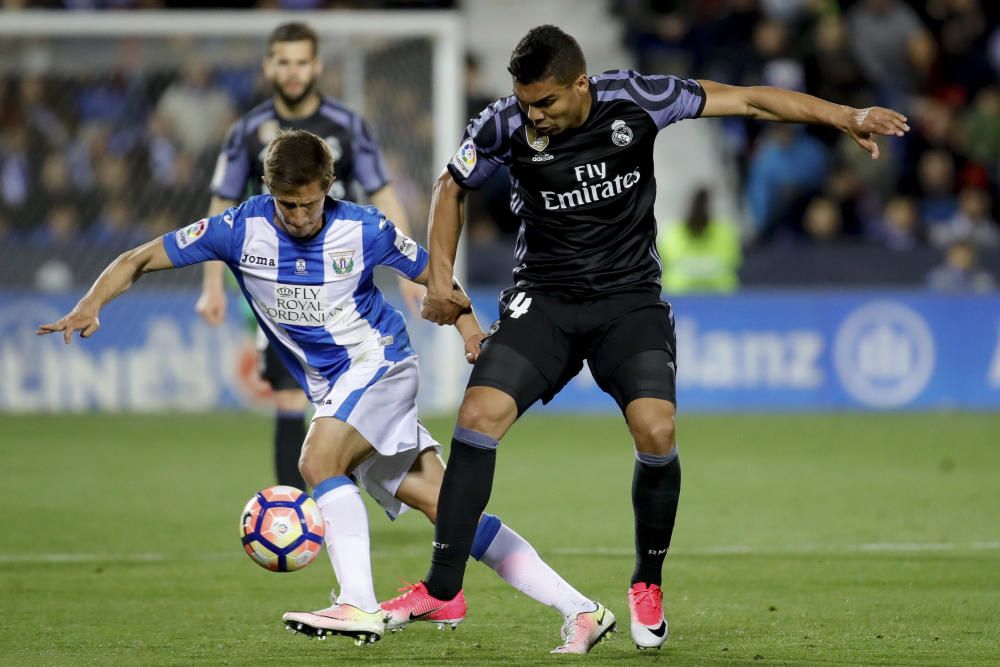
[[106, 160], [937, 61]]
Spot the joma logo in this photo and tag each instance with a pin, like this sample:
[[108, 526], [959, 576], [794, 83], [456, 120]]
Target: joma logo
[[257, 259]]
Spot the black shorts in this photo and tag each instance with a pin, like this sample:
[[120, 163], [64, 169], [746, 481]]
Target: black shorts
[[272, 368], [541, 341]]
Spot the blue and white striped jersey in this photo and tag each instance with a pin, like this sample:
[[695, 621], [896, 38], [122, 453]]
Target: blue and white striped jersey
[[315, 299]]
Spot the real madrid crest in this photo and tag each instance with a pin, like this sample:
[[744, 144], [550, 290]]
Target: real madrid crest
[[621, 134]]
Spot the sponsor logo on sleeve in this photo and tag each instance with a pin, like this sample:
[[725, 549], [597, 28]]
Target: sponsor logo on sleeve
[[191, 233], [465, 158], [406, 246]]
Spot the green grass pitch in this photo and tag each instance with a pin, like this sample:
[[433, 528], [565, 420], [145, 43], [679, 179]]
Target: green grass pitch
[[812, 540]]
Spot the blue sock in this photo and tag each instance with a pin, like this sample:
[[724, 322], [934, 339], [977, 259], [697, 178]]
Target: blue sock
[[488, 528], [331, 483]]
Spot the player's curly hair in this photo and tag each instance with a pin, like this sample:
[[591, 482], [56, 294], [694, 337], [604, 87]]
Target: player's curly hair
[[547, 51], [295, 159]]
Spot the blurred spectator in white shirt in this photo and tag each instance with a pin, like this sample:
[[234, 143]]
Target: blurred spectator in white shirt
[[197, 112]]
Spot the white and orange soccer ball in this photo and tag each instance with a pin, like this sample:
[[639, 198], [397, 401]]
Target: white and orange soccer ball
[[281, 529]]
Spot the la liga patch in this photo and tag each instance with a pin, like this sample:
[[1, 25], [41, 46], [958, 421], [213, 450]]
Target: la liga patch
[[191, 233], [465, 158]]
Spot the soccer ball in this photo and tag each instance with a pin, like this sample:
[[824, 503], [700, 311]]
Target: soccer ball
[[281, 529]]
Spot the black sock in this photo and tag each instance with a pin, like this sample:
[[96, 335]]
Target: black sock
[[465, 491], [289, 433], [656, 487]]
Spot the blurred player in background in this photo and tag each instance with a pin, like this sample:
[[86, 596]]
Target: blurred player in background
[[292, 66], [587, 281], [305, 262]]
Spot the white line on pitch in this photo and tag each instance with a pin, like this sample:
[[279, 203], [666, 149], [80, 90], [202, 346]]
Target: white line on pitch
[[833, 549], [873, 547], [116, 558]]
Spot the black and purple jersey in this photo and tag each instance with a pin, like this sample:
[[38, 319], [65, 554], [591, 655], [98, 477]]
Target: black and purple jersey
[[584, 196], [356, 155]]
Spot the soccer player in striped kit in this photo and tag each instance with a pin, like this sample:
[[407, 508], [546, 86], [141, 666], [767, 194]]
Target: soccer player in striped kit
[[304, 261], [292, 66]]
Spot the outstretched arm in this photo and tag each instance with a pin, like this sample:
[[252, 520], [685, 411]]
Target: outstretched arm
[[445, 226], [777, 104], [114, 280]]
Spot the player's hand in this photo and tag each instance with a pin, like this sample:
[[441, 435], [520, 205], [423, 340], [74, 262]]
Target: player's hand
[[461, 299], [79, 319], [211, 305], [472, 345], [412, 295], [863, 123], [445, 309]]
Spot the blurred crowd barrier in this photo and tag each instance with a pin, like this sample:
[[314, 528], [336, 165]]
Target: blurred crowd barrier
[[759, 351], [827, 350]]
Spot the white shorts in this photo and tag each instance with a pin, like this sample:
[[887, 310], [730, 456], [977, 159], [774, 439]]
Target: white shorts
[[380, 402]]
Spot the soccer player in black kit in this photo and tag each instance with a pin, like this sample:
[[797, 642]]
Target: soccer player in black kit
[[292, 66], [580, 152]]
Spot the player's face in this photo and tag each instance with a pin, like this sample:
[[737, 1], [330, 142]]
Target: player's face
[[292, 69], [553, 107], [299, 211]]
